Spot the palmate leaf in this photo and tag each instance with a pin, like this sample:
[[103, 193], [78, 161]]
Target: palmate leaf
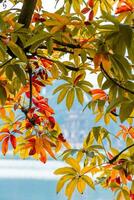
[[62, 94], [60, 87], [70, 188], [62, 182], [70, 98], [17, 51], [80, 95], [37, 38], [89, 181], [128, 106], [65, 170], [126, 33], [74, 164], [20, 73], [81, 185]]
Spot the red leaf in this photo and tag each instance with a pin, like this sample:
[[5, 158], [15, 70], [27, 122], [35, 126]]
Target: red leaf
[[52, 121], [91, 3], [61, 137], [46, 63], [131, 195], [85, 10], [36, 17], [118, 180], [32, 151], [13, 141], [5, 146], [77, 79], [91, 15]]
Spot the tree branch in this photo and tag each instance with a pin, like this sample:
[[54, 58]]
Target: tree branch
[[30, 86], [27, 12], [114, 81], [117, 156], [54, 61]]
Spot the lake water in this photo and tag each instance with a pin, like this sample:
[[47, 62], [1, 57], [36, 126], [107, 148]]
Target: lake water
[[31, 180]]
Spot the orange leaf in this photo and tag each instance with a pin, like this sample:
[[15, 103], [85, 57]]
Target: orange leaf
[[47, 147], [123, 177], [43, 156], [123, 9], [13, 141], [4, 130], [5, 146], [97, 60], [3, 136], [106, 62]]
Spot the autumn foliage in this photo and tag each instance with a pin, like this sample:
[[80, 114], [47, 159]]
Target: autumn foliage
[[80, 39]]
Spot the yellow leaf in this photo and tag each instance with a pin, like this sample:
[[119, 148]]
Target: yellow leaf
[[98, 117], [70, 188], [64, 170], [81, 185], [89, 181], [62, 181], [56, 29], [80, 155], [107, 119], [113, 117], [70, 98], [76, 6], [106, 62], [62, 19], [11, 115], [86, 169], [74, 163]]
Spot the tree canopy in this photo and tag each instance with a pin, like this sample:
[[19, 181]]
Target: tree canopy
[[81, 38]]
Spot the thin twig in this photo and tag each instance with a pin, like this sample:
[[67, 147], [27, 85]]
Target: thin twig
[[116, 157], [114, 81], [54, 61]]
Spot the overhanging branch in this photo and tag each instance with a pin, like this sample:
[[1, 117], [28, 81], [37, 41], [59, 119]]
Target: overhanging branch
[[117, 156], [114, 81]]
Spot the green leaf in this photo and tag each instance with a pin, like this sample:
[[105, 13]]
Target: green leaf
[[80, 95], [36, 38], [107, 84], [87, 83], [3, 95], [100, 79], [70, 98], [9, 72], [17, 51], [126, 32], [109, 17], [60, 87], [114, 103], [19, 73], [49, 44], [125, 110], [62, 94]]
